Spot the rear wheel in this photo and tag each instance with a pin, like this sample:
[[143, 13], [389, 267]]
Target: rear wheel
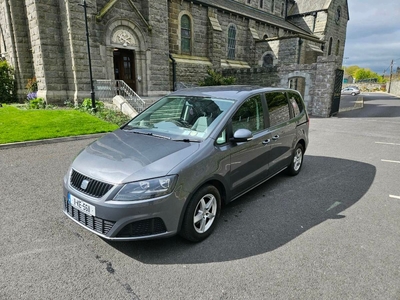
[[297, 160], [201, 214]]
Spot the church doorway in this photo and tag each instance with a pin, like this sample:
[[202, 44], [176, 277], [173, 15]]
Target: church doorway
[[124, 67]]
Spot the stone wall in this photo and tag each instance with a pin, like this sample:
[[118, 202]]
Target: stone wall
[[368, 87], [394, 88], [319, 80], [254, 76], [47, 39], [336, 29]]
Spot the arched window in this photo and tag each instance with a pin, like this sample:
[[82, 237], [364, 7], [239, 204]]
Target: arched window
[[268, 60], [337, 47], [261, 3], [330, 46], [185, 34], [272, 6], [283, 9], [231, 41]]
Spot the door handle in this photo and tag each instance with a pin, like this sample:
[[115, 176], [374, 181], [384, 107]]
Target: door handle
[[266, 141], [276, 137]]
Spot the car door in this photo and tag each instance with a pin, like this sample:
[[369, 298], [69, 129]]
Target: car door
[[282, 129], [249, 160]]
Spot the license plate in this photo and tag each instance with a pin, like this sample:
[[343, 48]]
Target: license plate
[[82, 205]]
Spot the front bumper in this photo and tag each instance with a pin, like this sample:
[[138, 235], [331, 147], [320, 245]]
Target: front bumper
[[127, 221]]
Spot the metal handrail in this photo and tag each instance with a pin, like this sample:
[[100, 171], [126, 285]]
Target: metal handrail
[[125, 91], [107, 89]]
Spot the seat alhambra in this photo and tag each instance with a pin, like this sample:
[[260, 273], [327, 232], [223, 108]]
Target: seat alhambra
[[171, 168]]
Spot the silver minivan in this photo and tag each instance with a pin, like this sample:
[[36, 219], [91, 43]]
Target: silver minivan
[[172, 167]]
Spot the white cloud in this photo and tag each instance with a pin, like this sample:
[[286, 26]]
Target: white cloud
[[373, 34]]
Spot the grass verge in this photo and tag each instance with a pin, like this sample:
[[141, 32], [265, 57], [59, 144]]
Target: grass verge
[[18, 125]]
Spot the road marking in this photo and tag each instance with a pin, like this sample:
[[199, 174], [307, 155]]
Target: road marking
[[395, 197], [387, 143], [392, 161], [337, 203]]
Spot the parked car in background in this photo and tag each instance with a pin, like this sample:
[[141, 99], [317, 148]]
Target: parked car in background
[[172, 167], [350, 91]]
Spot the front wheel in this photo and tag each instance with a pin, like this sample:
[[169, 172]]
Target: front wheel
[[297, 160], [353, 94], [201, 214]]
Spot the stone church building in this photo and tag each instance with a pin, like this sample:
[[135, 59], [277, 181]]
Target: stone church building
[[154, 46]]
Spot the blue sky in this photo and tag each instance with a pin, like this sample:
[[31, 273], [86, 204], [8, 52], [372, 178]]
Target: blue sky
[[373, 35]]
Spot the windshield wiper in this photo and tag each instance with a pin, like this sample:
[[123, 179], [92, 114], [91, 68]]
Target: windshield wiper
[[151, 134], [186, 140]]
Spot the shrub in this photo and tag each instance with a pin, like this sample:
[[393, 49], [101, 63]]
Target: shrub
[[113, 116], [109, 115], [215, 78], [36, 103], [8, 88], [87, 104]]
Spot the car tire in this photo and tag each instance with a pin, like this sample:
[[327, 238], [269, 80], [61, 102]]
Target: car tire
[[353, 94], [201, 214], [297, 160]]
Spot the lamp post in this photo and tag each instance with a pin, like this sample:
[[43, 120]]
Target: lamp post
[[89, 57], [391, 74]]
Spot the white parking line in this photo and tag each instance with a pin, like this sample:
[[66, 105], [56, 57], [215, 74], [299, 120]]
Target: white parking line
[[391, 161], [395, 197], [394, 144]]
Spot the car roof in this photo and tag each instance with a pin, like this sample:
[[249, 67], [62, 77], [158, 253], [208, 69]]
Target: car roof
[[232, 92]]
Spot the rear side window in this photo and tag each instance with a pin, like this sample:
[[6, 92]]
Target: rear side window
[[278, 108], [296, 102], [250, 115]]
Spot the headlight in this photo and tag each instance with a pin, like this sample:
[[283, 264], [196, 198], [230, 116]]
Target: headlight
[[147, 189]]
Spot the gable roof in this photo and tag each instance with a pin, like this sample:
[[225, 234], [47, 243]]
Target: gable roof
[[244, 10], [308, 6], [305, 6]]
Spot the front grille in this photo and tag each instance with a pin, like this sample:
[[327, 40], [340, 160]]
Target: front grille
[[143, 228], [94, 188], [97, 224]]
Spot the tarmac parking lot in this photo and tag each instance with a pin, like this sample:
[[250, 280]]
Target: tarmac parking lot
[[332, 232]]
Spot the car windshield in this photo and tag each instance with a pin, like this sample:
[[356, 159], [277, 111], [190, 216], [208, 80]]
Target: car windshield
[[187, 118]]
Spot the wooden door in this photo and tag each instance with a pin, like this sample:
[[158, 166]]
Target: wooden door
[[124, 67]]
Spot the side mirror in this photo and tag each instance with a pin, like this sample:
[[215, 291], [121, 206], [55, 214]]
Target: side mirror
[[242, 135]]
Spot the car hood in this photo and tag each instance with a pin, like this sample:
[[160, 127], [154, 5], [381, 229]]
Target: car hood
[[123, 156]]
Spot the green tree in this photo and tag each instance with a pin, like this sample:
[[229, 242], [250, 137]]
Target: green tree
[[215, 78], [367, 74], [351, 70], [8, 89]]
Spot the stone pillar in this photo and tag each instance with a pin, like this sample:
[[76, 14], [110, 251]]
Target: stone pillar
[[13, 21], [158, 65], [324, 85], [47, 49], [214, 39]]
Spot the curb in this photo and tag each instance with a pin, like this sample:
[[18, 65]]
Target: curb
[[51, 141], [357, 105]]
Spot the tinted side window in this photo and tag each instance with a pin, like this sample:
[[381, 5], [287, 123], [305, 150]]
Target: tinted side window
[[296, 102], [278, 108], [250, 115]]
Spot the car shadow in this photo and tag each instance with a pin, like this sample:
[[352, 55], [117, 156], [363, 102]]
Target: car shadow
[[269, 216]]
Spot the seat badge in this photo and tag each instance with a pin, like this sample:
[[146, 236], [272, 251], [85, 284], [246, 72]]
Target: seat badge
[[84, 184]]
